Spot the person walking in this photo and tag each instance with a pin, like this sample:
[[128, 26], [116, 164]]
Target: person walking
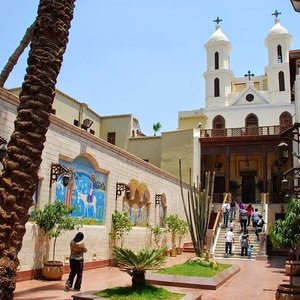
[[225, 211], [244, 240], [76, 262], [259, 226], [229, 241], [249, 212], [255, 218], [243, 219], [232, 209]]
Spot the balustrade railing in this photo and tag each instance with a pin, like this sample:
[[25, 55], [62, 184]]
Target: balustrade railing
[[242, 131]]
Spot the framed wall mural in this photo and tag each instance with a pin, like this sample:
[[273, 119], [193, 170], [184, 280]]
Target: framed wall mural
[[138, 204], [86, 191]]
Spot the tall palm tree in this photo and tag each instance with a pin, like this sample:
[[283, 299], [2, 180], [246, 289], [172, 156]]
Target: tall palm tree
[[137, 264], [24, 150], [156, 127], [12, 61]]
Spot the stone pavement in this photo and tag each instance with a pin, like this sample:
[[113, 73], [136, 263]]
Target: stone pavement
[[256, 280]]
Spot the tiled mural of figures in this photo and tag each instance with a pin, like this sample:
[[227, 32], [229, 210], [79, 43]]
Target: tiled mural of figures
[[86, 191], [138, 205]]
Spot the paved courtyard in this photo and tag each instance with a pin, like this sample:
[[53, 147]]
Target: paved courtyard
[[256, 280]]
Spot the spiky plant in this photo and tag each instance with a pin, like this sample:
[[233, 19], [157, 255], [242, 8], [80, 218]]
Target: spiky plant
[[136, 264], [197, 208]]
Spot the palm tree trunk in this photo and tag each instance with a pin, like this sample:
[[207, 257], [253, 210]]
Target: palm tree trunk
[[24, 151], [12, 61], [138, 279]]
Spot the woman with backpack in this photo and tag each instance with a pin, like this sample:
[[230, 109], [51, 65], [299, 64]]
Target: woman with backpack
[[244, 239]]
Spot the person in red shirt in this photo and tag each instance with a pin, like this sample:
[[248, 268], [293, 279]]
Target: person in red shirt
[[249, 209]]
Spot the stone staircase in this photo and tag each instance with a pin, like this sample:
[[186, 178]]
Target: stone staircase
[[220, 245]]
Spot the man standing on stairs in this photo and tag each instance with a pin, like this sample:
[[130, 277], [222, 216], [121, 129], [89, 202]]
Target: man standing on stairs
[[229, 240], [225, 211], [243, 219]]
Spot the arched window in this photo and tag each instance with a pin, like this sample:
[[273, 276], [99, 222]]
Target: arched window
[[281, 81], [218, 126], [279, 54], [251, 124], [216, 60], [217, 87], [285, 120]]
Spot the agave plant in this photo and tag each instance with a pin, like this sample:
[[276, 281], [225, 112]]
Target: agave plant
[[136, 264]]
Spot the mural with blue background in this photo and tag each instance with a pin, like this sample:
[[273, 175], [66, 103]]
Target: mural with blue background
[[86, 191]]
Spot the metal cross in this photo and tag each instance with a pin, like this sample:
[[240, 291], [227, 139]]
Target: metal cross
[[276, 13], [249, 75], [218, 20]]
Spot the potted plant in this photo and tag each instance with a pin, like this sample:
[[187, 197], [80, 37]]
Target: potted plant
[[157, 232], [286, 234], [173, 223], [54, 219], [120, 226], [182, 231]]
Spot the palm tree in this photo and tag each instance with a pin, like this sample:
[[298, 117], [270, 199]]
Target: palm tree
[[137, 264], [12, 61], [24, 150], [156, 127]]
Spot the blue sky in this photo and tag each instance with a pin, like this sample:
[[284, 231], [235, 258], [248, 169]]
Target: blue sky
[[147, 57]]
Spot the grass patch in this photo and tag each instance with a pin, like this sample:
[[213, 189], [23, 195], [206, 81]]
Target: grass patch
[[193, 269], [150, 292]]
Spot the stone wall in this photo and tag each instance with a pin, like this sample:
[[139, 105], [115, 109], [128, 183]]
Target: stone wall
[[68, 141]]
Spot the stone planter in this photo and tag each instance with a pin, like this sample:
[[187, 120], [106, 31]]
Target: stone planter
[[296, 267], [173, 252], [179, 250], [287, 292], [53, 270]]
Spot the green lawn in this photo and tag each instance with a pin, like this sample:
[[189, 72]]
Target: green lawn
[[148, 293], [193, 269]]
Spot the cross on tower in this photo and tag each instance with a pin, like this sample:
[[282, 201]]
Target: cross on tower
[[249, 75], [276, 13], [218, 20]]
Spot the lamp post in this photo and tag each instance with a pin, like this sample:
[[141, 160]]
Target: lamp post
[[158, 198], [296, 5], [86, 123], [283, 152], [120, 187]]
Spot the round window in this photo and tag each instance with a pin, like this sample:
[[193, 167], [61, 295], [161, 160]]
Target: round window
[[249, 97]]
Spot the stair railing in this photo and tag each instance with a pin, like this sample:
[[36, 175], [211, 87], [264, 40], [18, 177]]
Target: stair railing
[[213, 235]]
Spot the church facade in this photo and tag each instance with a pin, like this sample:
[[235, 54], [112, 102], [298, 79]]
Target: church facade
[[243, 120]]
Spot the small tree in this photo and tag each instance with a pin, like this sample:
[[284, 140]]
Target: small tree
[[156, 127], [183, 230], [120, 226], [157, 232], [286, 233], [137, 264], [173, 223], [54, 220]]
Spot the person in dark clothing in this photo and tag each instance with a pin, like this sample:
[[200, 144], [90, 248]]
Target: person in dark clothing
[[76, 262], [244, 239], [259, 227], [243, 219]]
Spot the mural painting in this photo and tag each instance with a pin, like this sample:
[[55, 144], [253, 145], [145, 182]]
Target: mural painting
[[137, 205], [86, 191]]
